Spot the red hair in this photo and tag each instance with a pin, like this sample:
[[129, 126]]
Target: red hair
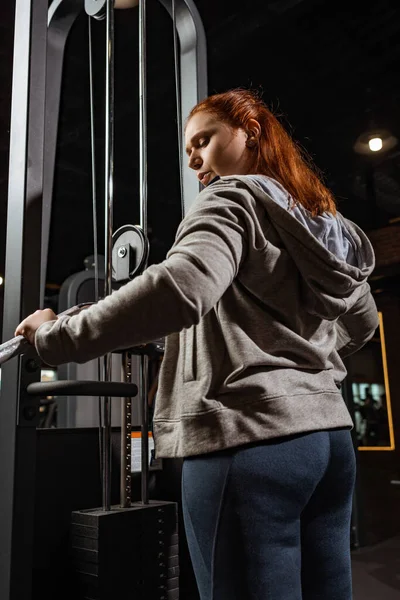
[[276, 155]]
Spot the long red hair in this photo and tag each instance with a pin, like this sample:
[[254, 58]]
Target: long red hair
[[276, 154]]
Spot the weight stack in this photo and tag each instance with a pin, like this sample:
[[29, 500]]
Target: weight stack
[[126, 552]]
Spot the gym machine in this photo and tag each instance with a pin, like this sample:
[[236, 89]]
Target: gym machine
[[41, 33]]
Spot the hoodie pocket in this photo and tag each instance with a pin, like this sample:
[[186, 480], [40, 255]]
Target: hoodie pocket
[[189, 354]]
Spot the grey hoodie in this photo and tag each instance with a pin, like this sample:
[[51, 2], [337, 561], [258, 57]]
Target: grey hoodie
[[259, 304]]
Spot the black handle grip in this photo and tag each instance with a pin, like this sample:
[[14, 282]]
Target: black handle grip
[[83, 388]]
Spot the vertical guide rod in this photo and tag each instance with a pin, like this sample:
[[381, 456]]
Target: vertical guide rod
[[109, 194], [177, 68], [94, 207], [142, 117], [144, 361], [93, 162], [109, 144]]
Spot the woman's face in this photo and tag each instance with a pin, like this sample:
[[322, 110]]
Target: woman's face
[[214, 148]]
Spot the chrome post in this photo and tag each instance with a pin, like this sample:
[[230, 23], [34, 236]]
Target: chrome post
[[109, 195], [144, 361]]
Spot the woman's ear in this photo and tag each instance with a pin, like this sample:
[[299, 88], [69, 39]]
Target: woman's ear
[[253, 131]]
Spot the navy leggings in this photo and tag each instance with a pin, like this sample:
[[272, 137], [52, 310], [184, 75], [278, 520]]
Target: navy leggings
[[271, 521]]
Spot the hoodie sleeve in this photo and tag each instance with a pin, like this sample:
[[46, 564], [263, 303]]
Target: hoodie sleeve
[[355, 328], [167, 297]]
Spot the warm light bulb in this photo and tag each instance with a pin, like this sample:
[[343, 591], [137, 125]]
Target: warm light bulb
[[375, 144], [1, 280]]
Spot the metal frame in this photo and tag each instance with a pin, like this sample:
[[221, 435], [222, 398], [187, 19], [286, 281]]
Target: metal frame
[[194, 84], [61, 16], [40, 38], [21, 297]]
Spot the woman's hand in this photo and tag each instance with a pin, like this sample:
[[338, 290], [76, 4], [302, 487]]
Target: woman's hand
[[28, 326], [125, 3]]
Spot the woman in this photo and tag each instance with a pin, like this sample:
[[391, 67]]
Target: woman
[[263, 292]]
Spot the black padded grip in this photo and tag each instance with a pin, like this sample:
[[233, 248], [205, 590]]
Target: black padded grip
[[83, 388]]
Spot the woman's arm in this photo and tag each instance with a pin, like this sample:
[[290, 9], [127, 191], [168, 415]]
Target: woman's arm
[[355, 328], [166, 298]]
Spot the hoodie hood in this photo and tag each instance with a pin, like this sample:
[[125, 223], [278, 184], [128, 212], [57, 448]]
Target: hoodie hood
[[333, 255]]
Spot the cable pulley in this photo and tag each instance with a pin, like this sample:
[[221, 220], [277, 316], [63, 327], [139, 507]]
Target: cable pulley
[[130, 253]]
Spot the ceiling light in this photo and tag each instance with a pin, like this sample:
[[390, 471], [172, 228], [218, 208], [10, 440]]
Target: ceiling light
[[379, 140], [375, 144], [1, 280]]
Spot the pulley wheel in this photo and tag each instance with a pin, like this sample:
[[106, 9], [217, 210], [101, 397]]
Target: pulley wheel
[[130, 252]]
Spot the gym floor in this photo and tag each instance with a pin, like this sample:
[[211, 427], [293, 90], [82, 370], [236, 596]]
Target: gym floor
[[376, 571]]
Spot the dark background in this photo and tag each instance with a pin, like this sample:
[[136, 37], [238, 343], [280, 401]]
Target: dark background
[[324, 67]]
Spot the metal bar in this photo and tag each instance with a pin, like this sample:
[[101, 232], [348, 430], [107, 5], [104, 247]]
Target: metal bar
[[94, 213], [109, 196], [144, 380], [85, 387], [93, 164], [126, 439], [142, 117], [193, 74], [109, 145], [143, 224], [22, 281], [177, 68], [62, 15]]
